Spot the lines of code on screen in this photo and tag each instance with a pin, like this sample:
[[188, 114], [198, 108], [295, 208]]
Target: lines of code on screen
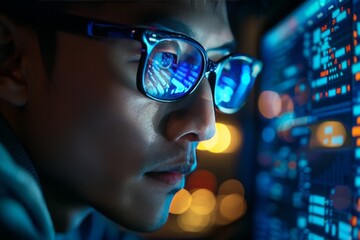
[[308, 176]]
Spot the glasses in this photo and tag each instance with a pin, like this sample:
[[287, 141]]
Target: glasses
[[172, 65]]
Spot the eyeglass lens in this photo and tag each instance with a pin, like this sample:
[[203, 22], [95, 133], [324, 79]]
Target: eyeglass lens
[[173, 69], [233, 84]]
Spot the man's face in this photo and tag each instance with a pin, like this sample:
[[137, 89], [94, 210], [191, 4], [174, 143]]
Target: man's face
[[95, 139]]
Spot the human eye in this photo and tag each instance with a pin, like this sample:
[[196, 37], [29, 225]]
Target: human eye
[[165, 55], [164, 60]]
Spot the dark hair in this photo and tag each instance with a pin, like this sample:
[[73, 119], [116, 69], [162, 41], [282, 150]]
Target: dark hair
[[24, 12]]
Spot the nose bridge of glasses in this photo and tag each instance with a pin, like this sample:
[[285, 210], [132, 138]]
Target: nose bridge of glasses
[[210, 68]]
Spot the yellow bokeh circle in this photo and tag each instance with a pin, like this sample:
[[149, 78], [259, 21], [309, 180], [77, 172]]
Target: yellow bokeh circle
[[193, 222], [220, 142], [231, 186], [181, 202], [232, 206], [203, 201]]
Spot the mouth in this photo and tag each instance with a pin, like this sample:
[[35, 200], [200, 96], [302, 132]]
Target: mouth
[[167, 178], [171, 171]]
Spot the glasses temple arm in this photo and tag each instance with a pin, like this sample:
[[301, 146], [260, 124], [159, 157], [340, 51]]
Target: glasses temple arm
[[84, 26]]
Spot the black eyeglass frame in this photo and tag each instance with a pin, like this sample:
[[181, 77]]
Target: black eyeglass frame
[[102, 29]]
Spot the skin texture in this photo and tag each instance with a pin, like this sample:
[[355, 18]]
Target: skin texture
[[95, 140]]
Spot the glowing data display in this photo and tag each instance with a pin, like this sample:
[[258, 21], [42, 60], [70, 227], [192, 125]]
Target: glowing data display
[[308, 162]]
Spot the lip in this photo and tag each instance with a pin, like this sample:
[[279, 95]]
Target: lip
[[167, 178]]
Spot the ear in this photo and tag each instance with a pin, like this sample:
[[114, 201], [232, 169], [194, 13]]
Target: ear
[[13, 88]]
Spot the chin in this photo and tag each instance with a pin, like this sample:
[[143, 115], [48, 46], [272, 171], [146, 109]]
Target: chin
[[153, 226], [143, 224], [151, 222], [139, 219]]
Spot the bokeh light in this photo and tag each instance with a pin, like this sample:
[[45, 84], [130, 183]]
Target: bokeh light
[[236, 139], [287, 104], [268, 134], [190, 221], [203, 202], [232, 206], [219, 142], [227, 139], [181, 202], [205, 209], [201, 179], [329, 134], [231, 186], [269, 104], [208, 145], [218, 218]]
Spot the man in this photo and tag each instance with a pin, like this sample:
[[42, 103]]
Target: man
[[107, 111]]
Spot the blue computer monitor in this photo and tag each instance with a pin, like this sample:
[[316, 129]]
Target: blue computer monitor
[[308, 159]]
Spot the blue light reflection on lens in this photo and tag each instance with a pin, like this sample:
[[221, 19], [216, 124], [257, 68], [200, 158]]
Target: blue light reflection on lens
[[170, 76], [235, 75], [225, 91], [243, 84], [245, 75]]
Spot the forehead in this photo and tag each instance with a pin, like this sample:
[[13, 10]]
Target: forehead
[[140, 12], [201, 19]]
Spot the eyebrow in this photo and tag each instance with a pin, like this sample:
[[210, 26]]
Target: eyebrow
[[229, 47], [174, 26], [177, 26]]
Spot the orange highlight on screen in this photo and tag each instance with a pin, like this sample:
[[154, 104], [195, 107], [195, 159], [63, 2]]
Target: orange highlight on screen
[[324, 73], [358, 142], [353, 221], [357, 76], [324, 28], [348, 48], [355, 131]]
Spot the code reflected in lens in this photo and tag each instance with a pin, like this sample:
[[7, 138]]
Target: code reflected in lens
[[172, 70], [233, 85]]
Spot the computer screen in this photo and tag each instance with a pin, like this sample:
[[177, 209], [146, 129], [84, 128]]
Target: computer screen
[[308, 158]]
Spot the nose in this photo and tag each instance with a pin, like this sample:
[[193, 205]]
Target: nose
[[194, 117]]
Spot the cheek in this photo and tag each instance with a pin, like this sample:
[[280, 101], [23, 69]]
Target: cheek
[[105, 129], [98, 122], [100, 137], [95, 93]]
